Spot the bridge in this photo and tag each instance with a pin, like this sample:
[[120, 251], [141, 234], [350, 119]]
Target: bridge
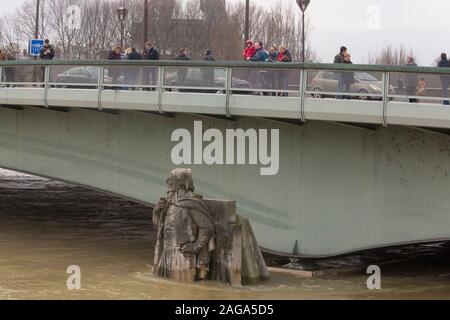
[[360, 166]]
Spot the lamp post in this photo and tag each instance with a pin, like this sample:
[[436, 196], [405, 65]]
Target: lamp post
[[122, 15], [145, 21], [303, 4], [36, 27], [247, 20]]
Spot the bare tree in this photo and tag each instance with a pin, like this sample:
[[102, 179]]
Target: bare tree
[[391, 55], [195, 24], [66, 35], [9, 34], [26, 18], [276, 26]]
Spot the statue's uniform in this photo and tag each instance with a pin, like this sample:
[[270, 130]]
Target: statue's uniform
[[186, 222]]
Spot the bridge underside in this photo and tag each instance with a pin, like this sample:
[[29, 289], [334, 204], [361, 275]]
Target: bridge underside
[[339, 188]]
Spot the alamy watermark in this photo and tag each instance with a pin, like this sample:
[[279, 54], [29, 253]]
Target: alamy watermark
[[374, 281], [373, 21], [235, 146], [72, 18], [74, 280]]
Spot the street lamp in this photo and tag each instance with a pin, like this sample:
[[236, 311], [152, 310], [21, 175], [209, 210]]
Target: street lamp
[[303, 4], [145, 21], [247, 21], [122, 15]]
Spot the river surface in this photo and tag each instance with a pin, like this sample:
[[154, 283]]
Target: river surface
[[46, 226]]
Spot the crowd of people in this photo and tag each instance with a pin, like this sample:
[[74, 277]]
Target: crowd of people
[[414, 86], [253, 52], [277, 81]]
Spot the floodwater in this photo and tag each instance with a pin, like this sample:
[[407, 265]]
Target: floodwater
[[47, 226]]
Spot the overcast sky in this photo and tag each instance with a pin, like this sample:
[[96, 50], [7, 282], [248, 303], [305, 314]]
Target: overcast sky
[[367, 25]]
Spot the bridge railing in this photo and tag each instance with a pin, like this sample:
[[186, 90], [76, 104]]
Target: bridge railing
[[349, 93]]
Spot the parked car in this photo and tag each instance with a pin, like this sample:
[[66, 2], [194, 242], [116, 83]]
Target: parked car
[[79, 77], [364, 83], [197, 77]]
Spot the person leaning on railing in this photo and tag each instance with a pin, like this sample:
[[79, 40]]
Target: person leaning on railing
[[340, 58], [348, 78], [182, 72], [114, 72], [208, 73], [445, 80], [274, 78], [283, 75], [257, 77], [412, 80], [132, 73], [47, 52], [151, 53]]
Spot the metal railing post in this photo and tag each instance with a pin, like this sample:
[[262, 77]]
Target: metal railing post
[[229, 84], [303, 87], [386, 90], [101, 75], [161, 71], [46, 84], [1, 76]]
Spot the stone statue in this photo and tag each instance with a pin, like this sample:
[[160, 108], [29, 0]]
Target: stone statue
[[203, 239], [185, 231]]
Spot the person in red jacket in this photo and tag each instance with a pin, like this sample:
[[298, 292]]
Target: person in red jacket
[[249, 50]]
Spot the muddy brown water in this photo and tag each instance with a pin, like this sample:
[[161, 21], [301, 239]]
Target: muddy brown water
[[46, 226]]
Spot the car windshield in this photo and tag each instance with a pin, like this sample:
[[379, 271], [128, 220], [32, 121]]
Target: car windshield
[[364, 76]]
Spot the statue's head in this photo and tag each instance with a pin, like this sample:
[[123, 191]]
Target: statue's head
[[179, 182]]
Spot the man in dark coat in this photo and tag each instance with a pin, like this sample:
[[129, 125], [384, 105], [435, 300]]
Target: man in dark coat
[[208, 73], [183, 55], [132, 72], [114, 72], [209, 56], [445, 80], [115, 54], [151, 53], [283, 75], [340, 58], [182, 72], [134, 55], [412, 81], [259, 79], [47, 52], [260, 54]]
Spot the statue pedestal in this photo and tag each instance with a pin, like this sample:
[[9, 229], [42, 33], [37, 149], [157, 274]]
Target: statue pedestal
[[236, 258]]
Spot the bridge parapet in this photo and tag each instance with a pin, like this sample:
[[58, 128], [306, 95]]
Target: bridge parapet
[[371, 94]]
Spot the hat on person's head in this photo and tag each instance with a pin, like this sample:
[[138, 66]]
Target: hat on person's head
[[249, 41], [208, 52]]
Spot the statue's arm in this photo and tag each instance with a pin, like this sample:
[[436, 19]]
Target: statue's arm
[[205, 232]]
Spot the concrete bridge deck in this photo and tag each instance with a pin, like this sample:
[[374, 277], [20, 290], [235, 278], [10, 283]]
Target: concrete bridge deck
[[381, 179]]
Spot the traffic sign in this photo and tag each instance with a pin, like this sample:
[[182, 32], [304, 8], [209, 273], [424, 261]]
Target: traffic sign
[[35, 47]]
